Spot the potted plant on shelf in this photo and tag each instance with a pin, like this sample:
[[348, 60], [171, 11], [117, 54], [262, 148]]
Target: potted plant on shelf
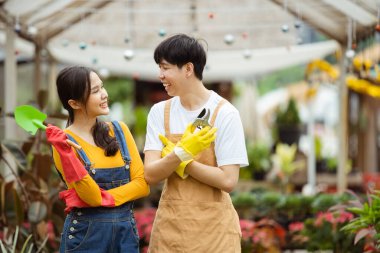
[[288, 123], [259, 157]]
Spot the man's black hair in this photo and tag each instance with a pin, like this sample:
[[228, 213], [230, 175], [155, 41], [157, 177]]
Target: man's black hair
[[180, 49]]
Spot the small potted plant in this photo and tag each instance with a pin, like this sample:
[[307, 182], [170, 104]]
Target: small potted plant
[[259, 157], [288, 123]]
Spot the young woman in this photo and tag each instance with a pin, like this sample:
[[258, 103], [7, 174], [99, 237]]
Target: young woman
[[103, 176]]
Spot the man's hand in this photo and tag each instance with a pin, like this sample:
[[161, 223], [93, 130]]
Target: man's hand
[[168, 148], [168, 145], [194, 143]]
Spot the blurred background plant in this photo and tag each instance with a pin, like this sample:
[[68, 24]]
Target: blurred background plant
[[259, 158], [31, 214], [365, 227], [284, 165], [144, 221]]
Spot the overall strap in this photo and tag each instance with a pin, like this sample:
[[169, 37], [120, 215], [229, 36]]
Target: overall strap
[[82, 154], [167, 116], [122, 143], [221, 102]]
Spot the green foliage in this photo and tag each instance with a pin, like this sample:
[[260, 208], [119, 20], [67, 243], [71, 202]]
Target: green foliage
[[323, 233], [289, 116], [259, 157], [28, 190], [244, 199], [119, 89], [141, 116], [281, 78], [318, 147], [366, 225], [323, 202]]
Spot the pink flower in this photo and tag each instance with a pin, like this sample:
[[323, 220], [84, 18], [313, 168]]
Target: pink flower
[[296, 226], [246, 228]]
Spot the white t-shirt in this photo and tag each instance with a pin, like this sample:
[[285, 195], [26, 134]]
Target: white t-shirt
[[230, 142]]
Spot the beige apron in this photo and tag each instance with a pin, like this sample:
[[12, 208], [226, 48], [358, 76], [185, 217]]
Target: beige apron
[[192, 216]]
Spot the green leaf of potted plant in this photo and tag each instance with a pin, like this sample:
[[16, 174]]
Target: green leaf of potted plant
[[288, 123]]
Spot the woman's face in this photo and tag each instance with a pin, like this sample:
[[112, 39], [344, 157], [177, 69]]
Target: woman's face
[[97, 103]]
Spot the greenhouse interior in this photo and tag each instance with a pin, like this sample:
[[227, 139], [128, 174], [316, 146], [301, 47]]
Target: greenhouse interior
[[304, 77]]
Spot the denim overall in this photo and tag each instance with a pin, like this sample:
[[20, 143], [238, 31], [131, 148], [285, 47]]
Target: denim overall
[[103, 229]]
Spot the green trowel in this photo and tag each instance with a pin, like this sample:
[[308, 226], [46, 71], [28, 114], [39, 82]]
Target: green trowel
[[30, 118]]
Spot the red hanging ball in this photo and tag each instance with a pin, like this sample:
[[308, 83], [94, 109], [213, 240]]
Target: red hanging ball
[[354, 46], [211, 15], [377, 27]]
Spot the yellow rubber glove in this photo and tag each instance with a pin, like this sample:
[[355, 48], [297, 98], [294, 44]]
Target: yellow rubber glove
[[169, 147], [194, 143]]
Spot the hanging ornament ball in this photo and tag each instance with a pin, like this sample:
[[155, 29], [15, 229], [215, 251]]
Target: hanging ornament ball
[[162, 32], [207, 67], [17, 28], [247, 54], [297, 24], [377, 28], [229, 39], [354, 46], [285, 28], [93, 42], [129, 54], [17, 52], [350, 53], [244, 35], [127, 39], [82, 45], [104, 73], [94, 60], [32, 30], [210, 15], [65, 43]]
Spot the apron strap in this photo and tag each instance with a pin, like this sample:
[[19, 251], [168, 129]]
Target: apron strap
[[122, 143], [221, 102], [81, 153], [167, 116]]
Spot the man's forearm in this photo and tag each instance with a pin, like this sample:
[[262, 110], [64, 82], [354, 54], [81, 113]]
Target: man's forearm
[[157, 168]]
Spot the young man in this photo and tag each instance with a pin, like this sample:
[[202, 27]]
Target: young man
[[195, 212]]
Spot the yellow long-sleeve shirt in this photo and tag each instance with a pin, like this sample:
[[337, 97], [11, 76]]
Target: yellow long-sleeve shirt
[[88, 190]]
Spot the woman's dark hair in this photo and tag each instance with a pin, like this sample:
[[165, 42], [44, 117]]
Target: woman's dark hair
[[180, 49], [74, 83]]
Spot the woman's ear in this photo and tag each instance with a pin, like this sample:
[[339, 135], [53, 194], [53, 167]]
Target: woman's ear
[[74, 104]]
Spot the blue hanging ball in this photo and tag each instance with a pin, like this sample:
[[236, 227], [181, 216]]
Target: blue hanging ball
[[162, 32], [297, 24], [82, 45], [285, 28], [94, 60]]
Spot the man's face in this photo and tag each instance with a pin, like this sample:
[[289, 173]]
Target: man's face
[[171, 77]]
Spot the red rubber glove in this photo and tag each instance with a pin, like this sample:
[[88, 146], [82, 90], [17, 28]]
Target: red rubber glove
[[72, 167], [72, 199]]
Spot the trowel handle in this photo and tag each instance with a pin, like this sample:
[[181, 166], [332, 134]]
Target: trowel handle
[[39, 124]]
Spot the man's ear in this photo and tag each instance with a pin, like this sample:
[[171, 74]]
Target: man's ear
[[189, 69], [74, 104]]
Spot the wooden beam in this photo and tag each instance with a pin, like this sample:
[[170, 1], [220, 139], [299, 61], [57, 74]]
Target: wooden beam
[[353, 11], [317, 20], [51, 29]]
